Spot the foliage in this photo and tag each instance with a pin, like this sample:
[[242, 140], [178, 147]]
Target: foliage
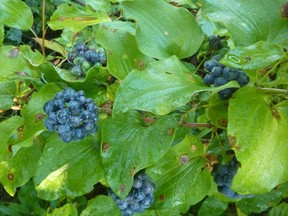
[[157, 111]]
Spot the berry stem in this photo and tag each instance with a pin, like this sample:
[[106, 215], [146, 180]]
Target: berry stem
[[43, 28], [281, 61], [273, 90], [196, 125]]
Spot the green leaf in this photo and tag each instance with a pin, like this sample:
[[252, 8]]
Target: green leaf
[[164, 30], [68, 169], [101, 205], [6, 128], [16, 13], [16, 171], [217, 111], [122, 51], [34, 115], [92, 85], [53, 46], [159, 212], [212, 206], [67, 210], [259, 55], [159, 88], [7, 91], [129, 145], [69, 16], [14, 209], [35, 58], [2, 34], [28, 197], [14, 65], [254, 132], [249, 21], [259, 203], [280, 210], [180, 176], [102, 5]]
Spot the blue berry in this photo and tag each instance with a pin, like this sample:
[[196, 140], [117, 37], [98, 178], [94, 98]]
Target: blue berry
[[137, 183], [147, 202], [52, 118], [63, 116], [74, 107], [216, 71], [49, 107], [225, 94], [92, 56], [219, 81], [48, 125], [209, 79], [243, 78], [69, 94], [223, 170], [230, 73], [77, 71], [138, 195], [80, 47]]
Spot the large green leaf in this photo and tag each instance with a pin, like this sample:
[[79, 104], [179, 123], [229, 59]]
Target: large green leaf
[[16, 171], [16, 13], [128, 145], [122, 51], [159, 88], [68, 209], [101, 205], [92, 84], [259, 203], [69, 16], [2, 34], [16, 63], [258, 134], [68, 169], [180, 176], [249, 21], [212, 206], [164, 30], [28, 197], [102, 5], [6, 128], [34, 115], [7, 92], [259, 55], [280, 210]]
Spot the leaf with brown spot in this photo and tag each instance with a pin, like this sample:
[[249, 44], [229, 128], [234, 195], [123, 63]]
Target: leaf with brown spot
[[69, 16], [259, 137], [133, 145], [181, 176]]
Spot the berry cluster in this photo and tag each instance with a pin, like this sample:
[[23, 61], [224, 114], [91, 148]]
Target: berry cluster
[[140, 197], [83, 57], [71, 115], [220, 74], [217, 42], [223, 177]]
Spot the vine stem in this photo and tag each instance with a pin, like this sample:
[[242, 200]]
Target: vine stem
[[43, 27], [273, 90]]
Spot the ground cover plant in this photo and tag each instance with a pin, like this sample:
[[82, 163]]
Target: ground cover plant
[[143, 107]]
